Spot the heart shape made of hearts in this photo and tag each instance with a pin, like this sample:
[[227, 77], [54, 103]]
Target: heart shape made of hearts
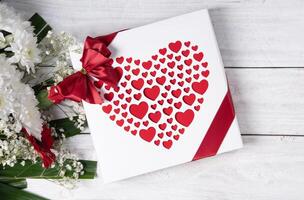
[[157, 99]]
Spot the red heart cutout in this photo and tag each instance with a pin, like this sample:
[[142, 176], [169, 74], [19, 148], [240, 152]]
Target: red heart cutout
[[136, 111]]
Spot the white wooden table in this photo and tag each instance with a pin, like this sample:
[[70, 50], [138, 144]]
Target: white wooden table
[[262, 44]]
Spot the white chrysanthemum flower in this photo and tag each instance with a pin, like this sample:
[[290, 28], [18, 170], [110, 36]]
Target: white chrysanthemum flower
[[25, 50], [22, 41], [18, 99]]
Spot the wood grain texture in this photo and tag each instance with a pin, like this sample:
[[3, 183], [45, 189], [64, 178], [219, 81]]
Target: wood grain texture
[[255, 33], [267, 101], [266, 168], [252, 35]]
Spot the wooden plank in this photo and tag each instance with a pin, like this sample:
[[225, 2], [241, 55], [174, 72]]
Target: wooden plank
[[254, 33], [268, 101], [267, 167]]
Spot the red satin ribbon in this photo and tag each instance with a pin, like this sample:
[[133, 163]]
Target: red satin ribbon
[[96, 67], [217, 130], [43, 147]]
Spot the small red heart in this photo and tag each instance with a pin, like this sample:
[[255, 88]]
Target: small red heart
[[170, 56], [178, 58], [167, 144], [129, 60], [171, 64], [137, 96], [162, 126], [139, 110], [134, 132], [150, 81], [120, 122], [127, 68], [178, 105], [180, 67], [188, 62], [181, 130], [169, 133], [107, 109], [176, 93], [157, 66], [168, 110], [189, 99], [109, 96], [175, 137], [170, 120], [184, 118], [200, 100], [137, 84], [155, 117], [124, 114], [175, 46], [164, 94], [130, 120], [121, 96], [116, 103], [153, 73], [156, 142], [154, 57], [160, 135], [124, 106], [205, 73], [123, 84], [168, 87], [129, 91], [147, 134], [200, 87], [198, 56], [120, 59], [137, 62], [171, 73], [136, 71], [127, 128], [112, 117], [170, 100], [161, 80], [163, 51], [162, 60], [205, 64], [187, 44], [144, 74], [194, 47], [187, 89], [152, 93], [196, 76], [197, 108], [160, 102], [186, 53], [147, 65], [153, 106], [164, 70], [117, 110]]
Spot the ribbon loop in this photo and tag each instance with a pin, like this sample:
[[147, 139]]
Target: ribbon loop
[[96, 66]]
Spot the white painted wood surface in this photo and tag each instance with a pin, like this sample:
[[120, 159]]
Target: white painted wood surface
[[262, 44]]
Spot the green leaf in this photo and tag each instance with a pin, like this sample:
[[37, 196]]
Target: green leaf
[[17, 183], [12, 193], [67, 125], [43, 99], [36, 171], [41, 28]]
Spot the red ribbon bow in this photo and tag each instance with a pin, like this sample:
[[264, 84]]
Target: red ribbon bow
[[96, 67]]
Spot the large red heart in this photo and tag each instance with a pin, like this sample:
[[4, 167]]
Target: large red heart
[[157, 99]]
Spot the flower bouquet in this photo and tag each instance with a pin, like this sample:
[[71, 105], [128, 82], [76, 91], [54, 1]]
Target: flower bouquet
[[32, 59]]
